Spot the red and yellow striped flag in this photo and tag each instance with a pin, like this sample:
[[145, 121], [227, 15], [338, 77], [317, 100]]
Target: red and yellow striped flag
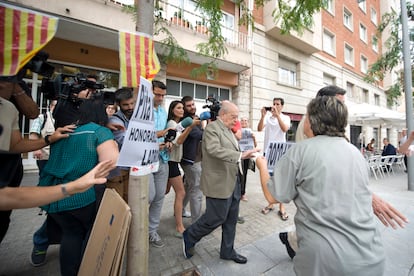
[[137, 57], [22, 34]]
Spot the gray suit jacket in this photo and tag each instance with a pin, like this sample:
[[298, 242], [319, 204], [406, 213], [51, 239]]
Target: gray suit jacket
[[219, 162]]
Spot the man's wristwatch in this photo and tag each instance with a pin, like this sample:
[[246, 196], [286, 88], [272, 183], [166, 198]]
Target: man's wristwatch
[[47, 139]]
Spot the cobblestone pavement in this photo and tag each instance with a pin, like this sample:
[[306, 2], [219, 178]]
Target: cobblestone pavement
[[257, 238]]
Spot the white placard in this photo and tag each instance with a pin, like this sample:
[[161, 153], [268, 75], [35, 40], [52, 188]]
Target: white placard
[[246, 142], [275, 151], [140, 149]]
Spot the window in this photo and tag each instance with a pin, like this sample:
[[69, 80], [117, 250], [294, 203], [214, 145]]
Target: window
[[328, 42], [364, 64], [227, 21], [348, 19], [374, 16], [330, 6], [349, 55], [350, 89], [328, 79], [362, 32], [178, 88], [375, 43], [287, 72], [377, 99], [362, 5], [365, 94]]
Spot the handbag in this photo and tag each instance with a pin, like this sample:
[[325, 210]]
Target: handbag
[[252, 165]]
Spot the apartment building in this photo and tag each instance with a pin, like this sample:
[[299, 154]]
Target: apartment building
[[338, 49], [260, 64]]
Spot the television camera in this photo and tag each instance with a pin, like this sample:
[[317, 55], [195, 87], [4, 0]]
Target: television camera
[[214, 107]]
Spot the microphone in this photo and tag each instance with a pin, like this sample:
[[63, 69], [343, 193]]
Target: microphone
[[205, 115], [172, 133], [187, 121]]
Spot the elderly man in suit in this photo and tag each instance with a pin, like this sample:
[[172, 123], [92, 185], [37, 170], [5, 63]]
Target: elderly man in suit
[[220, 184]]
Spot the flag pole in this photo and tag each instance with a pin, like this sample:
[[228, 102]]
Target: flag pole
[[138, 243]]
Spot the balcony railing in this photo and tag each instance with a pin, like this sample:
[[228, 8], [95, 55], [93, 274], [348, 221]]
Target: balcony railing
[[190, 21]]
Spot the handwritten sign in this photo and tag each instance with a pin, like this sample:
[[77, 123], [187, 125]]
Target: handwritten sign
[[140, 149], [275, 151], [246, 142]]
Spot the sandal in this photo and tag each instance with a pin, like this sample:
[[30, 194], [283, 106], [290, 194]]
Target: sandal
[[283, 216], [267, 209]]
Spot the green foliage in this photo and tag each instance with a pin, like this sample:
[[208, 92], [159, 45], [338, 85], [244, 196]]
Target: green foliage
[[292, 17], [296, 16], [390, 59]]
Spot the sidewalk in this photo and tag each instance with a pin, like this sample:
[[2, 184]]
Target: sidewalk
[[257, 238]]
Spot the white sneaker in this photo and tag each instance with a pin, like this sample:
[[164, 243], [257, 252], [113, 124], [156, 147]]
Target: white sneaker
[[186, 214]]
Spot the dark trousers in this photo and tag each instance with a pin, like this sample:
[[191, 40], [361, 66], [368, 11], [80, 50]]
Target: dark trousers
[[76, 226], [40, 165], [218, 212], [243, 178], [11, 174]]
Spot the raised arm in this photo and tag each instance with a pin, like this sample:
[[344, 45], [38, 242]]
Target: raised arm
[[28, 197]]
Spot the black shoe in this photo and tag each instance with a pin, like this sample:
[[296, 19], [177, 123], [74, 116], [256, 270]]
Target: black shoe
[[240, 219], [237, 259], [38, 257], [284, 239], [188, 247]]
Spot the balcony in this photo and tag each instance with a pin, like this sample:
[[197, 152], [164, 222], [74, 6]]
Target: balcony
[[192, 22], [309, 42]]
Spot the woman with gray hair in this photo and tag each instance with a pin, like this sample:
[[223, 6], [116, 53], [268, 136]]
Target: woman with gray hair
[[327, 177]]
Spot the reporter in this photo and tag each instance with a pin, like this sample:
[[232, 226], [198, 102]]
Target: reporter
[[28, 197]]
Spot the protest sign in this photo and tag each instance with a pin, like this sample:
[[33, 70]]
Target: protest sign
[[274, 151], [140, 149], [246, 142]]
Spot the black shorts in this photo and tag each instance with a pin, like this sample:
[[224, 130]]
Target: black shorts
[[173, 169]]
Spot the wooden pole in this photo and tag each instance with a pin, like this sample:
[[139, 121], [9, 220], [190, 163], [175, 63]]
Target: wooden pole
[[138, 246], [138, 243]]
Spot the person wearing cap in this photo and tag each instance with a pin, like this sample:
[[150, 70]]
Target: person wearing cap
[[386, 213]]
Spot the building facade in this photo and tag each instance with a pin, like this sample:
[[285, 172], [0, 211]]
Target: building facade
[[260, 64]]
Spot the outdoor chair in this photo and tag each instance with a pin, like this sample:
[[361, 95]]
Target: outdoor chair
[[375, 166], [399, 162], [387, 163]]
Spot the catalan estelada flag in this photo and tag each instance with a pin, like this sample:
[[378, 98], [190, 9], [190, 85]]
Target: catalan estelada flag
[[137, 57], [22, 34]]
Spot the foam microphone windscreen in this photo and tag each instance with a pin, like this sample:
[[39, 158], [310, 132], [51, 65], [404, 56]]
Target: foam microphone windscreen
[[205, 115], [187, 121], [236, 127]]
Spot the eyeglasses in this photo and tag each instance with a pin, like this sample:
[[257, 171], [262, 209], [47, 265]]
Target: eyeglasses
[[159, 95]]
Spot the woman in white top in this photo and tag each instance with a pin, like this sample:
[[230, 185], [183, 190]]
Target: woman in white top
[[175, 115]]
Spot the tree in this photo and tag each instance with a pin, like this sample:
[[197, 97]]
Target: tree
[[391, 58], [295, 17]]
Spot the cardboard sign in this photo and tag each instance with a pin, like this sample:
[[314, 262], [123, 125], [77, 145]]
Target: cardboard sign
[[246, 142], [275, 151], [140, 149], [107, 243]]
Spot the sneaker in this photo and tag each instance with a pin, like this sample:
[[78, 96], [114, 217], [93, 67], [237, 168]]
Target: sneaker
[[186, 214], [38, 257], [284, 239], [240, 219], [188, 247], [155, 240], [244, 198]]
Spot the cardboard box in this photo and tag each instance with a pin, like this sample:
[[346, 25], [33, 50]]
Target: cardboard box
[[107, 243]]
